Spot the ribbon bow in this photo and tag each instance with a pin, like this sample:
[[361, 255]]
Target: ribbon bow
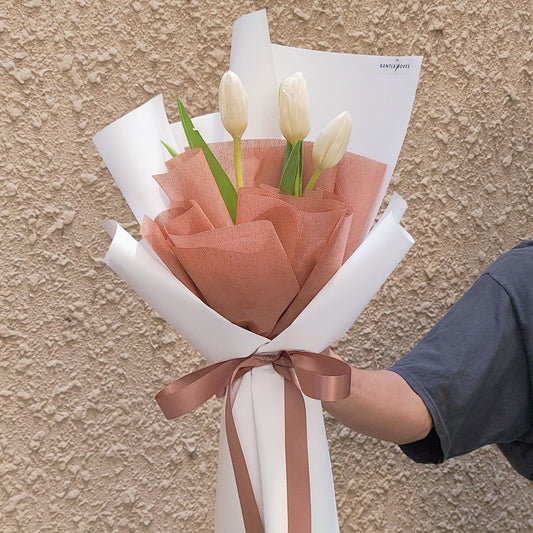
[[318, 376]]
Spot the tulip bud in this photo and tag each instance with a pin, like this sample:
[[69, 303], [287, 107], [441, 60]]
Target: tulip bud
[[294, 120], [331, 145], [332, 141], [233, 104]]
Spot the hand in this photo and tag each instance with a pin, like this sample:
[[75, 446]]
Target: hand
[[383, 405]]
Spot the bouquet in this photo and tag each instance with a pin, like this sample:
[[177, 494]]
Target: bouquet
[[262, 297]]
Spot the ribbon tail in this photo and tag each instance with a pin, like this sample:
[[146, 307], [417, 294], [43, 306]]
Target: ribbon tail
[[297, 461], [250, 511], [319, 376]]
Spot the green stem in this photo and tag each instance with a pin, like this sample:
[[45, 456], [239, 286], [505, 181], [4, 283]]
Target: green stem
[[238, 162], [301, 172], [313, 180], [298, 182]]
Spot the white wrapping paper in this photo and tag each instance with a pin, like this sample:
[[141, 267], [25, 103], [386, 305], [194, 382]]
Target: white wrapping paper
[[132, 151]]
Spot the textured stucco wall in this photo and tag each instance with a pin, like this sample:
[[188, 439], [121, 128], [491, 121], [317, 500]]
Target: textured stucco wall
[[83, 446]]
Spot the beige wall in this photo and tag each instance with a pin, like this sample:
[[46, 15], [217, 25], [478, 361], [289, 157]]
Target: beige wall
[[83, 446]]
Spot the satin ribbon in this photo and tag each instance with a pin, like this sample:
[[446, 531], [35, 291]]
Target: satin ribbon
[[318, 376]]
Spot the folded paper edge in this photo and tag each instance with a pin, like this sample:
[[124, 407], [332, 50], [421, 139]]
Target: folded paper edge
[[110, 226], [251, 342], [128, 258], [390, 236], [131, 149]]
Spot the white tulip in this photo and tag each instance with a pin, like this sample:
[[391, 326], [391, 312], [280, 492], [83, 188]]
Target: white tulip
[[331, 145], [332, 141], [233, 104], [294, 120]]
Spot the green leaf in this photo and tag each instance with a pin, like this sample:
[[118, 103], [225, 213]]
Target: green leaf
[[171, 150], [291, 171], [195, 140], [288, 150]]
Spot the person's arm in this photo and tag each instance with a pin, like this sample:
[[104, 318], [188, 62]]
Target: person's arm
[[381, 404]]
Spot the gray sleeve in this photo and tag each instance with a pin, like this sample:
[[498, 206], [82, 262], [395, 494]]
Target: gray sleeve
[[471, 370]]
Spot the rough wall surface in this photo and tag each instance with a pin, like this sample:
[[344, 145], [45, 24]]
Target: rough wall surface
[[83, 447]]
